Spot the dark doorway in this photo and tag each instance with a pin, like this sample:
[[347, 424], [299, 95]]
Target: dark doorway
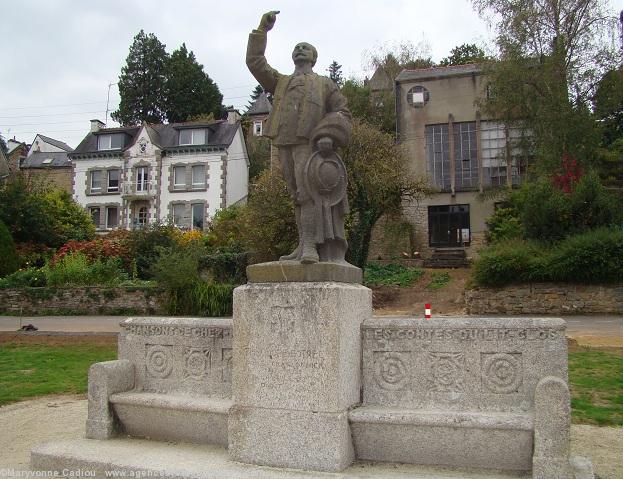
[[448, 226]]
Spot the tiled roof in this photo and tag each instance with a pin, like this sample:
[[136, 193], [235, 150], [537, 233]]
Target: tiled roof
[[261, 106], [57, 143], [41, 159], [164, 136], [438, 72]]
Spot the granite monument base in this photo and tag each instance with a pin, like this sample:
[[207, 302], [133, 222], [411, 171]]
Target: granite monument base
[[297, 352]]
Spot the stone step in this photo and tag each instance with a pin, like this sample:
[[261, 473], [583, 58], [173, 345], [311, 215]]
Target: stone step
[[142, 458]]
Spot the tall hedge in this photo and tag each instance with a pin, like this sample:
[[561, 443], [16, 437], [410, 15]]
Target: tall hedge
[[8, 256]]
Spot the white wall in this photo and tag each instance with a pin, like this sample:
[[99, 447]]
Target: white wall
[[39, 145], [211, 195], [237, 170]]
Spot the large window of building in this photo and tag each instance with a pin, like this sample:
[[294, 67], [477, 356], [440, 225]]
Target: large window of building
[[178, 211], [96, 181], [193, 137], [112, 217], [198, 176], [449, 225], [94, 212], [110, 142], [465, 156], [501, 149], [113, 181], [198, 211], [142, 178], [179, 177], [438, 156]]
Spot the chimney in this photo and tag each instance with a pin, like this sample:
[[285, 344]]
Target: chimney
[[97, 125], [232, 116]]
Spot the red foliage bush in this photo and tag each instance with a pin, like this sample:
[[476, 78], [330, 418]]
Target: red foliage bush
[[570, 175], [110, 246]]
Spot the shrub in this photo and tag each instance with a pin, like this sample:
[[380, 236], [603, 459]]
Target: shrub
[[592, 257], [202, 299], [504, 224], [97, 249], [75, 269], [29, 277], [510, 262], [269, 223], [32, 254], [391, 274], [9, 261], [146, 245]]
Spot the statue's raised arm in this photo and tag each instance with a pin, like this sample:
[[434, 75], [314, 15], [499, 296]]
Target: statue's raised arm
[[266, 75], [268, 21]]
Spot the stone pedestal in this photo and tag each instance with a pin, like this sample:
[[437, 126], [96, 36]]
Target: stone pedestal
[[296, 372]]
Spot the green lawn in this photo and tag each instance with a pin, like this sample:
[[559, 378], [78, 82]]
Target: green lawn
[[35, 370], [29, 370], [596, 378]]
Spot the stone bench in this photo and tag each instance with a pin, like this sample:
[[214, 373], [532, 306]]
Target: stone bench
[[467, 392], [172, 382]]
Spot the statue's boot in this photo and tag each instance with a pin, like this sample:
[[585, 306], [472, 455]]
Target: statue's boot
[[309, 253], [297, 251], [292, 256]]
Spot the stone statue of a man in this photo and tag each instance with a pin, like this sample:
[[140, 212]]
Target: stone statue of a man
[[308, 121]]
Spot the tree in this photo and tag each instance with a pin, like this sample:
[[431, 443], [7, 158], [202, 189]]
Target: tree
[[378, 110], [190, 92], [335, 73], [464, 54], [3, 144], [551, 55], [34, 213], [392, 58], [142, 83], [9, 262], [378, 183]]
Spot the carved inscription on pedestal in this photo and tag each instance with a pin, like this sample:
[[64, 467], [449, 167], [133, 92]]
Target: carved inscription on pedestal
[[446, 372], [196, 363], [502, 373], [159, 360], [391, 369]]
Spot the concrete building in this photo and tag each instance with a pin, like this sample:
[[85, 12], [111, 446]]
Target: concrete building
[[462, 152], [183, 173]]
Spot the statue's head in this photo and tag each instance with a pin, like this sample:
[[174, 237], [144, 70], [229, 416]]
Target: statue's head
[[304, 52]]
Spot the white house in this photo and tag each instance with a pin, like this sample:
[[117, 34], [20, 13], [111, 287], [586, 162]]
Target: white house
[[183, 172]]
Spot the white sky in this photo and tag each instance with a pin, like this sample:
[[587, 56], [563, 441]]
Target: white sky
[[59, 56]]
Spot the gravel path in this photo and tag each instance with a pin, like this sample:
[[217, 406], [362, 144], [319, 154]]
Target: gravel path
[[25, 424]]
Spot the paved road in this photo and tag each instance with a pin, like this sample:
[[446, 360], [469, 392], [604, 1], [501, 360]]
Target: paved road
[[605, 326]]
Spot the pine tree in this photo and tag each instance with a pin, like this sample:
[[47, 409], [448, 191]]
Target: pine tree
[[255, 94], [142, 82], [190, 92], [335, 73]]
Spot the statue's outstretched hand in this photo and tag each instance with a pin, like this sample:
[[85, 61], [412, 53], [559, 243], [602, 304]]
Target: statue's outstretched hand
[[325, 146], [268, 21]]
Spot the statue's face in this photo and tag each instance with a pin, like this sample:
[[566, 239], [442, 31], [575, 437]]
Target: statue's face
[[304, 53]]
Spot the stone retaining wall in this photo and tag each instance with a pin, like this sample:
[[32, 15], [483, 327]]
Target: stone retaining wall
[[85, 300], [546, 298]]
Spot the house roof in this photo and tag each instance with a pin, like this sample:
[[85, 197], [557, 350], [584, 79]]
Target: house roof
[[40, 159], [438, 72], [261, 106], [57, 143], [164, 136]]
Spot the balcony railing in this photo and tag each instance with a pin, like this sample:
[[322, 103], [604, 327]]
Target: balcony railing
[[138, 190]]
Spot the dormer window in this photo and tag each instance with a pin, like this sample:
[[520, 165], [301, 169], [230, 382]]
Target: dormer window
[[193, 137], [110, 142]]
